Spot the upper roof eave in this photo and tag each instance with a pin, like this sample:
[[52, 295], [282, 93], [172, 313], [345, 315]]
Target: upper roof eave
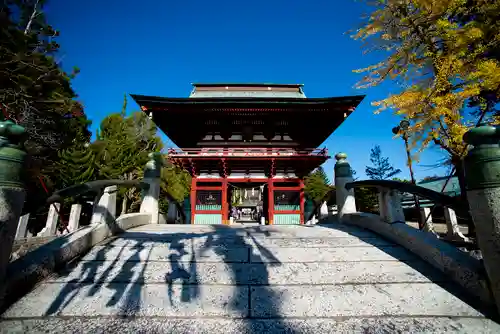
[[144, 99], [197, 84]]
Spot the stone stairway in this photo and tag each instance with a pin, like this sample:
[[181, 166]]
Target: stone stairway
[[257, 279]]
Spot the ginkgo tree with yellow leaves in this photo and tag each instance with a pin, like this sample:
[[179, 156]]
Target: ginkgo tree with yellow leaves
[[445, 56]]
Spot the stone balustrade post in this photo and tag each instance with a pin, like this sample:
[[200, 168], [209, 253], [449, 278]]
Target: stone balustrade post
[[12, 192], [390, 206], [482, 170], [105, 209], [452, 228], [314, 220], [343, 175], [74, 217], [426, 217], [323, 211], [152, 176], [22, 227], [52, 219]]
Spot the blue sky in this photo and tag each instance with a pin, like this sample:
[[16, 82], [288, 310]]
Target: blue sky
[[161, 47]]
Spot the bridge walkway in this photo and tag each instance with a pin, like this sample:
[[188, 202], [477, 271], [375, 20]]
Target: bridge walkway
[[246, 279]]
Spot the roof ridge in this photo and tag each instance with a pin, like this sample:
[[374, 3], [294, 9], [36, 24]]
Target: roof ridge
[[244, 84]]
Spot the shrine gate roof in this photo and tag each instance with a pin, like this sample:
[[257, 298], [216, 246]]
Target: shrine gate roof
[[227, 107]]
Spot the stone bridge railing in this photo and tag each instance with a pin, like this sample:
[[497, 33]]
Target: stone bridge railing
[[19, 275], [104, 205], [481, 277], [105, 191], [391, 208]]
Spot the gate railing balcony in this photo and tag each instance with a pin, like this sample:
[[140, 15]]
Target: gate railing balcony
[[247, 152]]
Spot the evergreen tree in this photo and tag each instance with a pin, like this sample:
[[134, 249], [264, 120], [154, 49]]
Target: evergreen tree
[[400, 180], [381, 169], [34, 90], [36, 93], [353, 173], [77, 165], [366, 198], [175, 181], [317, 185], [431, 178], [123, 144], [322, 174]]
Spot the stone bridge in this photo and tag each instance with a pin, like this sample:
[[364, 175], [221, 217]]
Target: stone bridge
[[331, 278], [352, 273]]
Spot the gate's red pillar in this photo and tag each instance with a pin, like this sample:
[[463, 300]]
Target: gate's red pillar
[[302, 200], [193, 198], [225, 208], [270, 201]]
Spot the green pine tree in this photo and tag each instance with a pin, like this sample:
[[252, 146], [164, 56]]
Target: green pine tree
[[123, 144], [381, 169], [77, 165], [366, 198], [36, 93], [317, 185], [176, 182]]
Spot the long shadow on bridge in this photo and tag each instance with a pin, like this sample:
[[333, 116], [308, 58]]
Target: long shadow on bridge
[[128, 284], [418, 264]]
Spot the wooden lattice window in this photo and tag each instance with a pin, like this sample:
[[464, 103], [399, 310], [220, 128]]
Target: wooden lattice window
[[286, 200], [208, 199]]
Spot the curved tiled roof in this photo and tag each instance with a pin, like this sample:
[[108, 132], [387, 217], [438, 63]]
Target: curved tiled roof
[[251, 90], [199, 94]]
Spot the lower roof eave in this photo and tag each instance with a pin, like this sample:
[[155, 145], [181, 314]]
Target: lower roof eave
[[250, 158]]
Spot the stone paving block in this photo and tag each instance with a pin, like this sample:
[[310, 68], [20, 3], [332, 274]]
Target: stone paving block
[[255, 273], [251, 326], [342, 273], [319, 242], [174, 228], [360, 300], [117, 299], [368, 253], [158, 272], [245, 241], [167, 240], [269, 231], [178, 252], [301, 231], [240, 236]]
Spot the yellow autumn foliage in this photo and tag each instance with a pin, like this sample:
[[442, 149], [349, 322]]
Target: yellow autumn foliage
[[440, 50]]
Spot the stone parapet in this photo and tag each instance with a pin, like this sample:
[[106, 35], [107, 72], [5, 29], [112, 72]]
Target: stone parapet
[[461, 267]]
